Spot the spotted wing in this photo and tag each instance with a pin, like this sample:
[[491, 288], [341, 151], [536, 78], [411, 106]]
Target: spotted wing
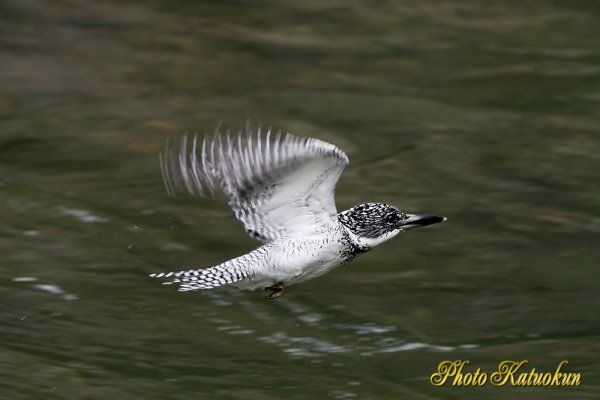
[[277, 184]]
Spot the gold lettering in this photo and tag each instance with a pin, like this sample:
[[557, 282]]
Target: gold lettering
[[506, 372], [537, 379], [572, 379], [546, 379], [458, 378], [531, 377], [521, 380], [445, 370], [480, 378], [558, 374]]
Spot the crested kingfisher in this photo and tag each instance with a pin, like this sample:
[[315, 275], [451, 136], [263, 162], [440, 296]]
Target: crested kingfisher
[[281, 187]]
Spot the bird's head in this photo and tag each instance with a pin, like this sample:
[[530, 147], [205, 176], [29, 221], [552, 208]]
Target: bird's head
[[373, 223]]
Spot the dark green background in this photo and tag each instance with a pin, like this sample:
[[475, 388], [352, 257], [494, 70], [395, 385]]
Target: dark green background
[[485, 112]]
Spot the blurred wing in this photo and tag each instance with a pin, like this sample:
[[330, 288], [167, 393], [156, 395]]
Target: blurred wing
[[277, 185]]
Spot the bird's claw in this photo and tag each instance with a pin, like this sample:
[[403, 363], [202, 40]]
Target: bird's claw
[[274, 291]]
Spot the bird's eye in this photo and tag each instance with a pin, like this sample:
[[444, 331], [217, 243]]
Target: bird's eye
[[391, 218]]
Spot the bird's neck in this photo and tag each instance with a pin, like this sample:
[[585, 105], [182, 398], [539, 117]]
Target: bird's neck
[[356, 243]]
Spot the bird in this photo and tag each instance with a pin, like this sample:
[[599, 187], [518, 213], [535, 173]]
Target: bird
[[281, 187]]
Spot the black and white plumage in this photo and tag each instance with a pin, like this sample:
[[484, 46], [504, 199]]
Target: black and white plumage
[[281, 187]]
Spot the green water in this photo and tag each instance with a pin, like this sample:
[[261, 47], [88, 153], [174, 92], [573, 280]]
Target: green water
[[485, 112]]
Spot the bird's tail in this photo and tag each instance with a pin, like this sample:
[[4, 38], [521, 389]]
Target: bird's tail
[[207, 278], [223, 274]]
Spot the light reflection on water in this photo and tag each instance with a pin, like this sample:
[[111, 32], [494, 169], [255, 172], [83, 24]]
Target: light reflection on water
[[46, 287], [363, 339], [81, 215]]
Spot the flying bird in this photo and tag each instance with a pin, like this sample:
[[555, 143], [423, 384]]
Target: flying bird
[[281, 187]]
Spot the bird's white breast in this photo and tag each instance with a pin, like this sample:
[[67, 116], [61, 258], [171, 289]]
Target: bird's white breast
[[294, 260]]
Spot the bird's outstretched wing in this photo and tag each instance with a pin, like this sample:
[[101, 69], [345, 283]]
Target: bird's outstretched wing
[[277, 185]]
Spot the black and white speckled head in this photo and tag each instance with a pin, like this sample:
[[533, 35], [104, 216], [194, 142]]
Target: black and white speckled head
[[373, 223]]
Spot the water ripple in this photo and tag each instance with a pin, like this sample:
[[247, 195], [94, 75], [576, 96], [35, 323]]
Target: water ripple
[[303, 346], [82, 215]]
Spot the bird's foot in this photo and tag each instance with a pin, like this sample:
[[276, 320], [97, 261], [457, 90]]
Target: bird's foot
[[275, 291]]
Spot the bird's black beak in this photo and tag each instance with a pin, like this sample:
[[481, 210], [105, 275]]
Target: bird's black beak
[[415, 221]]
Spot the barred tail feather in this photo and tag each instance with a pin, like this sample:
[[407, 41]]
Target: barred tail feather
[[223, 274], [208, 278]]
